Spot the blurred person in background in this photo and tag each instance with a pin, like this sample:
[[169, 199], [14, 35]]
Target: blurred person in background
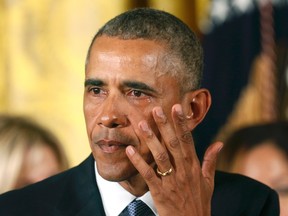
[[260, 152], [28, 153]]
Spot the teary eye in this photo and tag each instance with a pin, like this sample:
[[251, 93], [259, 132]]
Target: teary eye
[[137, 93]]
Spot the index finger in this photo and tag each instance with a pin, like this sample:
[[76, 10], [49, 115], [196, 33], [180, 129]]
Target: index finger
[[184, 134], [174, 135]]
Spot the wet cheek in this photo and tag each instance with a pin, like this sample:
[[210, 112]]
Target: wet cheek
[[137, 112]]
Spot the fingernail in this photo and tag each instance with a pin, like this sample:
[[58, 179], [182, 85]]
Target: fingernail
[[220, 148], [130, 150], [160, 114], [178, 110], [145, 128]]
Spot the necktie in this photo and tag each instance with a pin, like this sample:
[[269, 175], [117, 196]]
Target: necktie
[[137, 208]]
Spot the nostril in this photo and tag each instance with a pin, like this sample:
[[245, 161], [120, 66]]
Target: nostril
[[114, 125], [109, 124], [113, 121]]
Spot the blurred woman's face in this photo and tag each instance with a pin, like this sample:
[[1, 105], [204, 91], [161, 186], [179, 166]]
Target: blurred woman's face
[[268, 164], [39, 163]]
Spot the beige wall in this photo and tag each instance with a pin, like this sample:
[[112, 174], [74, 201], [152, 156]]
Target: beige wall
[[43, 47]]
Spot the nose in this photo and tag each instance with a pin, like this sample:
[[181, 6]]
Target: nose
[[113, 121], [112, 114]]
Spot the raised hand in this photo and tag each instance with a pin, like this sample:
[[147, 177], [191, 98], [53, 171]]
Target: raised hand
[[179, 185]]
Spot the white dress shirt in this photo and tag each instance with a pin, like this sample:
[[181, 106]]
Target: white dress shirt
[[115, 198]]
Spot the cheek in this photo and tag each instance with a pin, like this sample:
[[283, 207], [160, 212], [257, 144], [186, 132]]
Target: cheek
[[90, 115]]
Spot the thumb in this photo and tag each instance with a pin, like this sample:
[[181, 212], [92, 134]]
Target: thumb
[[210, 160]]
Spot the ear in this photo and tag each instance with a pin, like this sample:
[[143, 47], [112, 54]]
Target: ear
[[195, 106]]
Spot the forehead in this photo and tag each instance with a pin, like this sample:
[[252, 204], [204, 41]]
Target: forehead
[[265, 159], [137, 54], [106, 43], [135, 46]]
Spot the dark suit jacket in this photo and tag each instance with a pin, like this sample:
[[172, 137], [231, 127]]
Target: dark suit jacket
[[75, 192]]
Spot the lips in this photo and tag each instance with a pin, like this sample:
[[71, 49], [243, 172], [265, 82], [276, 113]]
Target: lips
[[111, 146]]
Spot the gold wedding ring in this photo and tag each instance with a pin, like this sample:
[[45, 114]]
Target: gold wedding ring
[[168, 172]]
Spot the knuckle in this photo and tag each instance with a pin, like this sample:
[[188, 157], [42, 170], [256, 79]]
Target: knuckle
[[187, 159], [174, 142], [162, 156], [186, 137], [182, 123], [208, 160], [182, 177], [148, 174], [181, 120]]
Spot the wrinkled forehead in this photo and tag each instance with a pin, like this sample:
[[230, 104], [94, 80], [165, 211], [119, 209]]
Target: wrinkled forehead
[[149, 53]]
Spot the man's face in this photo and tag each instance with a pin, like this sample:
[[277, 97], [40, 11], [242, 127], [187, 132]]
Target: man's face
[[122, 85]]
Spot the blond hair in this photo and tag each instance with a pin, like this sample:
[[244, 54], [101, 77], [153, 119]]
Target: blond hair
[[17, 136]]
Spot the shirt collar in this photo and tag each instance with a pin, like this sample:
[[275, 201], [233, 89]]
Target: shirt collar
[[115, 198]]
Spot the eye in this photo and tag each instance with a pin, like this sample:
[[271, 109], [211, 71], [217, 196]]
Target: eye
[[96, 91], [137, 93], [138, 97]]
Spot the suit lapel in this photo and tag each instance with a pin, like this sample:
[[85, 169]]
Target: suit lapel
[[93, 207], [81, 195]]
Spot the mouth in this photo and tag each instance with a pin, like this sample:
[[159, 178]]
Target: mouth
[[111, 146]]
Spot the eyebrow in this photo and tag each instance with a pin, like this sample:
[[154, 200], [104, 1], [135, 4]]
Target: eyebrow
[[139, 85], [93, 82]]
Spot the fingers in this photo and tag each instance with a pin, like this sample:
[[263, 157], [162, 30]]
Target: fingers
[[158, 150], [175, 149], [140, 164], [177, 136], [210, 160], [184, 135], [169, 139], [171, 145]]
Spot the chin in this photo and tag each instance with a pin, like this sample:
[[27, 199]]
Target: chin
[[117, 172]]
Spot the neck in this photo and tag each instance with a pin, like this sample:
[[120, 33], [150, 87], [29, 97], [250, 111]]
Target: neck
[[135, 185]]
